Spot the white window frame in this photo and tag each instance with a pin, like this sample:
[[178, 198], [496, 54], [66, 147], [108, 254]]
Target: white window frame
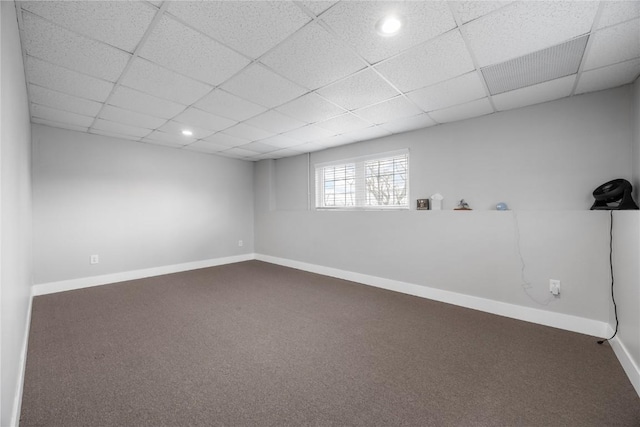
[[359, 184]]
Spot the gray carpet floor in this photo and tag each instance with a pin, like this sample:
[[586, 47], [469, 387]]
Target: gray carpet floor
[[255, 344]]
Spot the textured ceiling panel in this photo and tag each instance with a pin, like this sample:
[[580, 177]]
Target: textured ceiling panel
[[439, 60], [130, 99], [614, 44], [45, 122], [62, 101], [409, 123], [175, 128], [275, 122], [155, 80], [525, 27], [311, 108], [312, 58], [63, 80], [386, 111], [308, 133], [541, 66], [129, 117], [263, 87], [122, 129], [196, 117], [250, 27], [615, 12], [224, 104], [120, 24], [55, 44], [607, 77], [355, 22], [456, 91], [344, 123], [60, 116], [536, 94], [248, 132], [470, 10], [476, 108], [228, 141], [360, 90], [188, 52]]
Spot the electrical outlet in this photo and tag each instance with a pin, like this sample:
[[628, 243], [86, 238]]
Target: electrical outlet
[[94, 259], [240, 243], [554, 286]]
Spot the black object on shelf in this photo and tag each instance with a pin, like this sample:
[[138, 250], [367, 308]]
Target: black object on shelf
[[614, 195]]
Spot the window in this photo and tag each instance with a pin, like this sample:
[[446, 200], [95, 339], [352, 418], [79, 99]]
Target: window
[[372, 182]]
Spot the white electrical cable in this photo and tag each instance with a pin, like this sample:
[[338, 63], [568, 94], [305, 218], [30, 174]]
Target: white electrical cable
[[526, 285]]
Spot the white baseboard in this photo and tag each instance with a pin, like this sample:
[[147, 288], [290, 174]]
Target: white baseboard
[[628, 364], [557, 320], [17, 398], [86, 282]]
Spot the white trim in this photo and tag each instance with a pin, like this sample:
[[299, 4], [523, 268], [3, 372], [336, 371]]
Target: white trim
[[548, 318], [17, 397], [86, 282], [628, 364]]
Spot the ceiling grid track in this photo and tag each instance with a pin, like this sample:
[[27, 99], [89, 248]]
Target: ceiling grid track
[[594, 26]]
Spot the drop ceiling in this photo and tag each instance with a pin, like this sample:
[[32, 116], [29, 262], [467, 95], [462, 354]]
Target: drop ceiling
[[270, 79]]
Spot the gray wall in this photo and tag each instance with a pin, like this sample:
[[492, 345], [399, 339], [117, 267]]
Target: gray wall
[[543, 160], [15, 211], [136, 205]]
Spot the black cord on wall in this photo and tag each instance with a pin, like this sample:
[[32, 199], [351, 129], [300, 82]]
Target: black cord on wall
[[615, 307]]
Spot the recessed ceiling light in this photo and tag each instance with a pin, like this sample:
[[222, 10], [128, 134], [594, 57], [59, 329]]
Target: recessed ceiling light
[[187, 132], [389, 25]]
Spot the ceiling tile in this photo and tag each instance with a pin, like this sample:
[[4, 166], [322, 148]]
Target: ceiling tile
[[62, 101], [459, 90], [535, 94], [470, 10], [286, 152], [129, 117], [188, 52], [47, 41], [120, 24], [344, 123], [222, 138], [168, 139], [609, 77], [206, 147], [309, 147], [60, 79], [409, 123], [439, 60], [196, 117], [275, 122], [355, 22], [113, 134], [224, 104], [313, 58], [130, 99], [476, 108], [251, 27], [250, 133], [311, 108], [259, 147], [528, 26], [614, 44], [360, 90], [388, 110], [368, 133], [176, 128], [309, 133], [38, 120], [239, 152], [120, 128], [335, 141], [158, 81], [60, 116], [615, 12], [264, 87], [318, 6], [280, 141]]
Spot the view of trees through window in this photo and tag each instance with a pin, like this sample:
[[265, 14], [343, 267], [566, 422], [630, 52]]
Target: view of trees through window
[[382, 182]]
